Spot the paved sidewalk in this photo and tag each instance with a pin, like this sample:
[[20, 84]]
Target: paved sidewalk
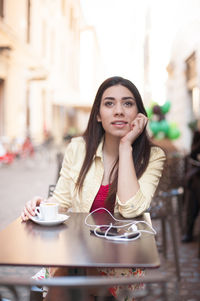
[[25, 179], [22, 180], [189, 286]]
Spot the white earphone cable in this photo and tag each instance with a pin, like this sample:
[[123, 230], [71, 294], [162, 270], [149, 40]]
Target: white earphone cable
[[127, 223]]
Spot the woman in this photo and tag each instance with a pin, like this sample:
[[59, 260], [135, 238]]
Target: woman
[[113, 165]]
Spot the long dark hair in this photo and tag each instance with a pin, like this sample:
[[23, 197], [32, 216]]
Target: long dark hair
[[94, 133]]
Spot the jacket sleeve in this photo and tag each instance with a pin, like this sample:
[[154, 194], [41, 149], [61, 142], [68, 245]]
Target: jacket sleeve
[[63, 187], [148, 182]]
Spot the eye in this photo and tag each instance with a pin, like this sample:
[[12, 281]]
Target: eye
[[108, 103], [129, 103]]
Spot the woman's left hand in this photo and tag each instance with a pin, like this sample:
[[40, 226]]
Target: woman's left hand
[[136, 128]]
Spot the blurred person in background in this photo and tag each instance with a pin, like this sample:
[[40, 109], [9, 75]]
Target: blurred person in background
[[193, 187], [6, 154]]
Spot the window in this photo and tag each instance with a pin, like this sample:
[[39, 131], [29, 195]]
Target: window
[[1, 8], [28, 20], [71, 18], [191, 70], [196, 102], [63, 8]]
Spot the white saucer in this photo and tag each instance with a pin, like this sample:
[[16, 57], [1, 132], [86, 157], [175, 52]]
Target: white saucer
[[61, 219]]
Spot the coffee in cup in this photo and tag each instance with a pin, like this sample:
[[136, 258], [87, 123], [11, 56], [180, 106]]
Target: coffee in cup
[[47, 211]]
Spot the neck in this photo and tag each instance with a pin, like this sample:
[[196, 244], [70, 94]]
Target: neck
[[111, 146]]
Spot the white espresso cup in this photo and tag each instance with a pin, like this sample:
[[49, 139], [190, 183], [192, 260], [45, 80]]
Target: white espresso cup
[[47, 211]]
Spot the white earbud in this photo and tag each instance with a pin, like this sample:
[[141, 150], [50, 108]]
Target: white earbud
[[134, 227]]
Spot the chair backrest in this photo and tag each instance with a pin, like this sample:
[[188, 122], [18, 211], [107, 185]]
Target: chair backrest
[[59, 159], [176, 167], [171, 185], [51, 190], [79, 287], [173, 173]]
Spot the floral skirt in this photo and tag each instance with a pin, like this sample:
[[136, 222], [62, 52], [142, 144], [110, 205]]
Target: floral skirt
[[116, 291]]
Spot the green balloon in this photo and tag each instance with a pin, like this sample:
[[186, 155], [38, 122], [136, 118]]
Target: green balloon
[[173, 133], [164, 126], [155, 127], [166, 107], [149, 112]]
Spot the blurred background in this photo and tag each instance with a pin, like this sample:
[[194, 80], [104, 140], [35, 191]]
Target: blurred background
[[54, 54]]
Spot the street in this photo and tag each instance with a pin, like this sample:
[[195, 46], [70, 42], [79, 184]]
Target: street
[[22, 180]]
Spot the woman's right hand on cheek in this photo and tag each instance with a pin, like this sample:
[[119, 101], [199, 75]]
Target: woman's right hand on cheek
[[137, 127], [29, 208]]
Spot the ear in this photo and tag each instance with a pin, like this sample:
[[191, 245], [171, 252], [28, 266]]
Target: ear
[[98, 118]]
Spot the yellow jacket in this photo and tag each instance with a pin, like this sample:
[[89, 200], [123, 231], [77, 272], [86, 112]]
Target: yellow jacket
[[68, 197]]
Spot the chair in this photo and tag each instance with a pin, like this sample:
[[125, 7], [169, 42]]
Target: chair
[[174, 178], [79, 288], [163, 210], [59, 159], [51, 190], [168, 202]]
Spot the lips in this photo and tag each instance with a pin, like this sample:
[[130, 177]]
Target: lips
[[119, 122]]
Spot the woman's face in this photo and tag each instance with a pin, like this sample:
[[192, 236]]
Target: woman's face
[[117, 110]]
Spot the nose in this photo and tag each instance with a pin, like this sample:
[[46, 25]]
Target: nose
[[118, 110]]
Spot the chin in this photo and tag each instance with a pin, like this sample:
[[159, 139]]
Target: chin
[[118, 135]]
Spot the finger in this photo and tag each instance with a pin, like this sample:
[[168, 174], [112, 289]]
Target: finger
[[23, 217], [142, 116], [142, 121], [33, 203], [37, 200], [138, 125], [28, 213], [30, 208]]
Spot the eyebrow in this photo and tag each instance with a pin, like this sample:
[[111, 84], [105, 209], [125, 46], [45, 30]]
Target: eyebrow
[[123, 98]]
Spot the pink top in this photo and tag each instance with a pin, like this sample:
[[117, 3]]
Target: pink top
[[100, 198]]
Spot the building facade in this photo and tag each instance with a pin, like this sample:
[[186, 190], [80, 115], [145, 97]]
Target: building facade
[[39, 66], [183, 84], [172, 63]]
